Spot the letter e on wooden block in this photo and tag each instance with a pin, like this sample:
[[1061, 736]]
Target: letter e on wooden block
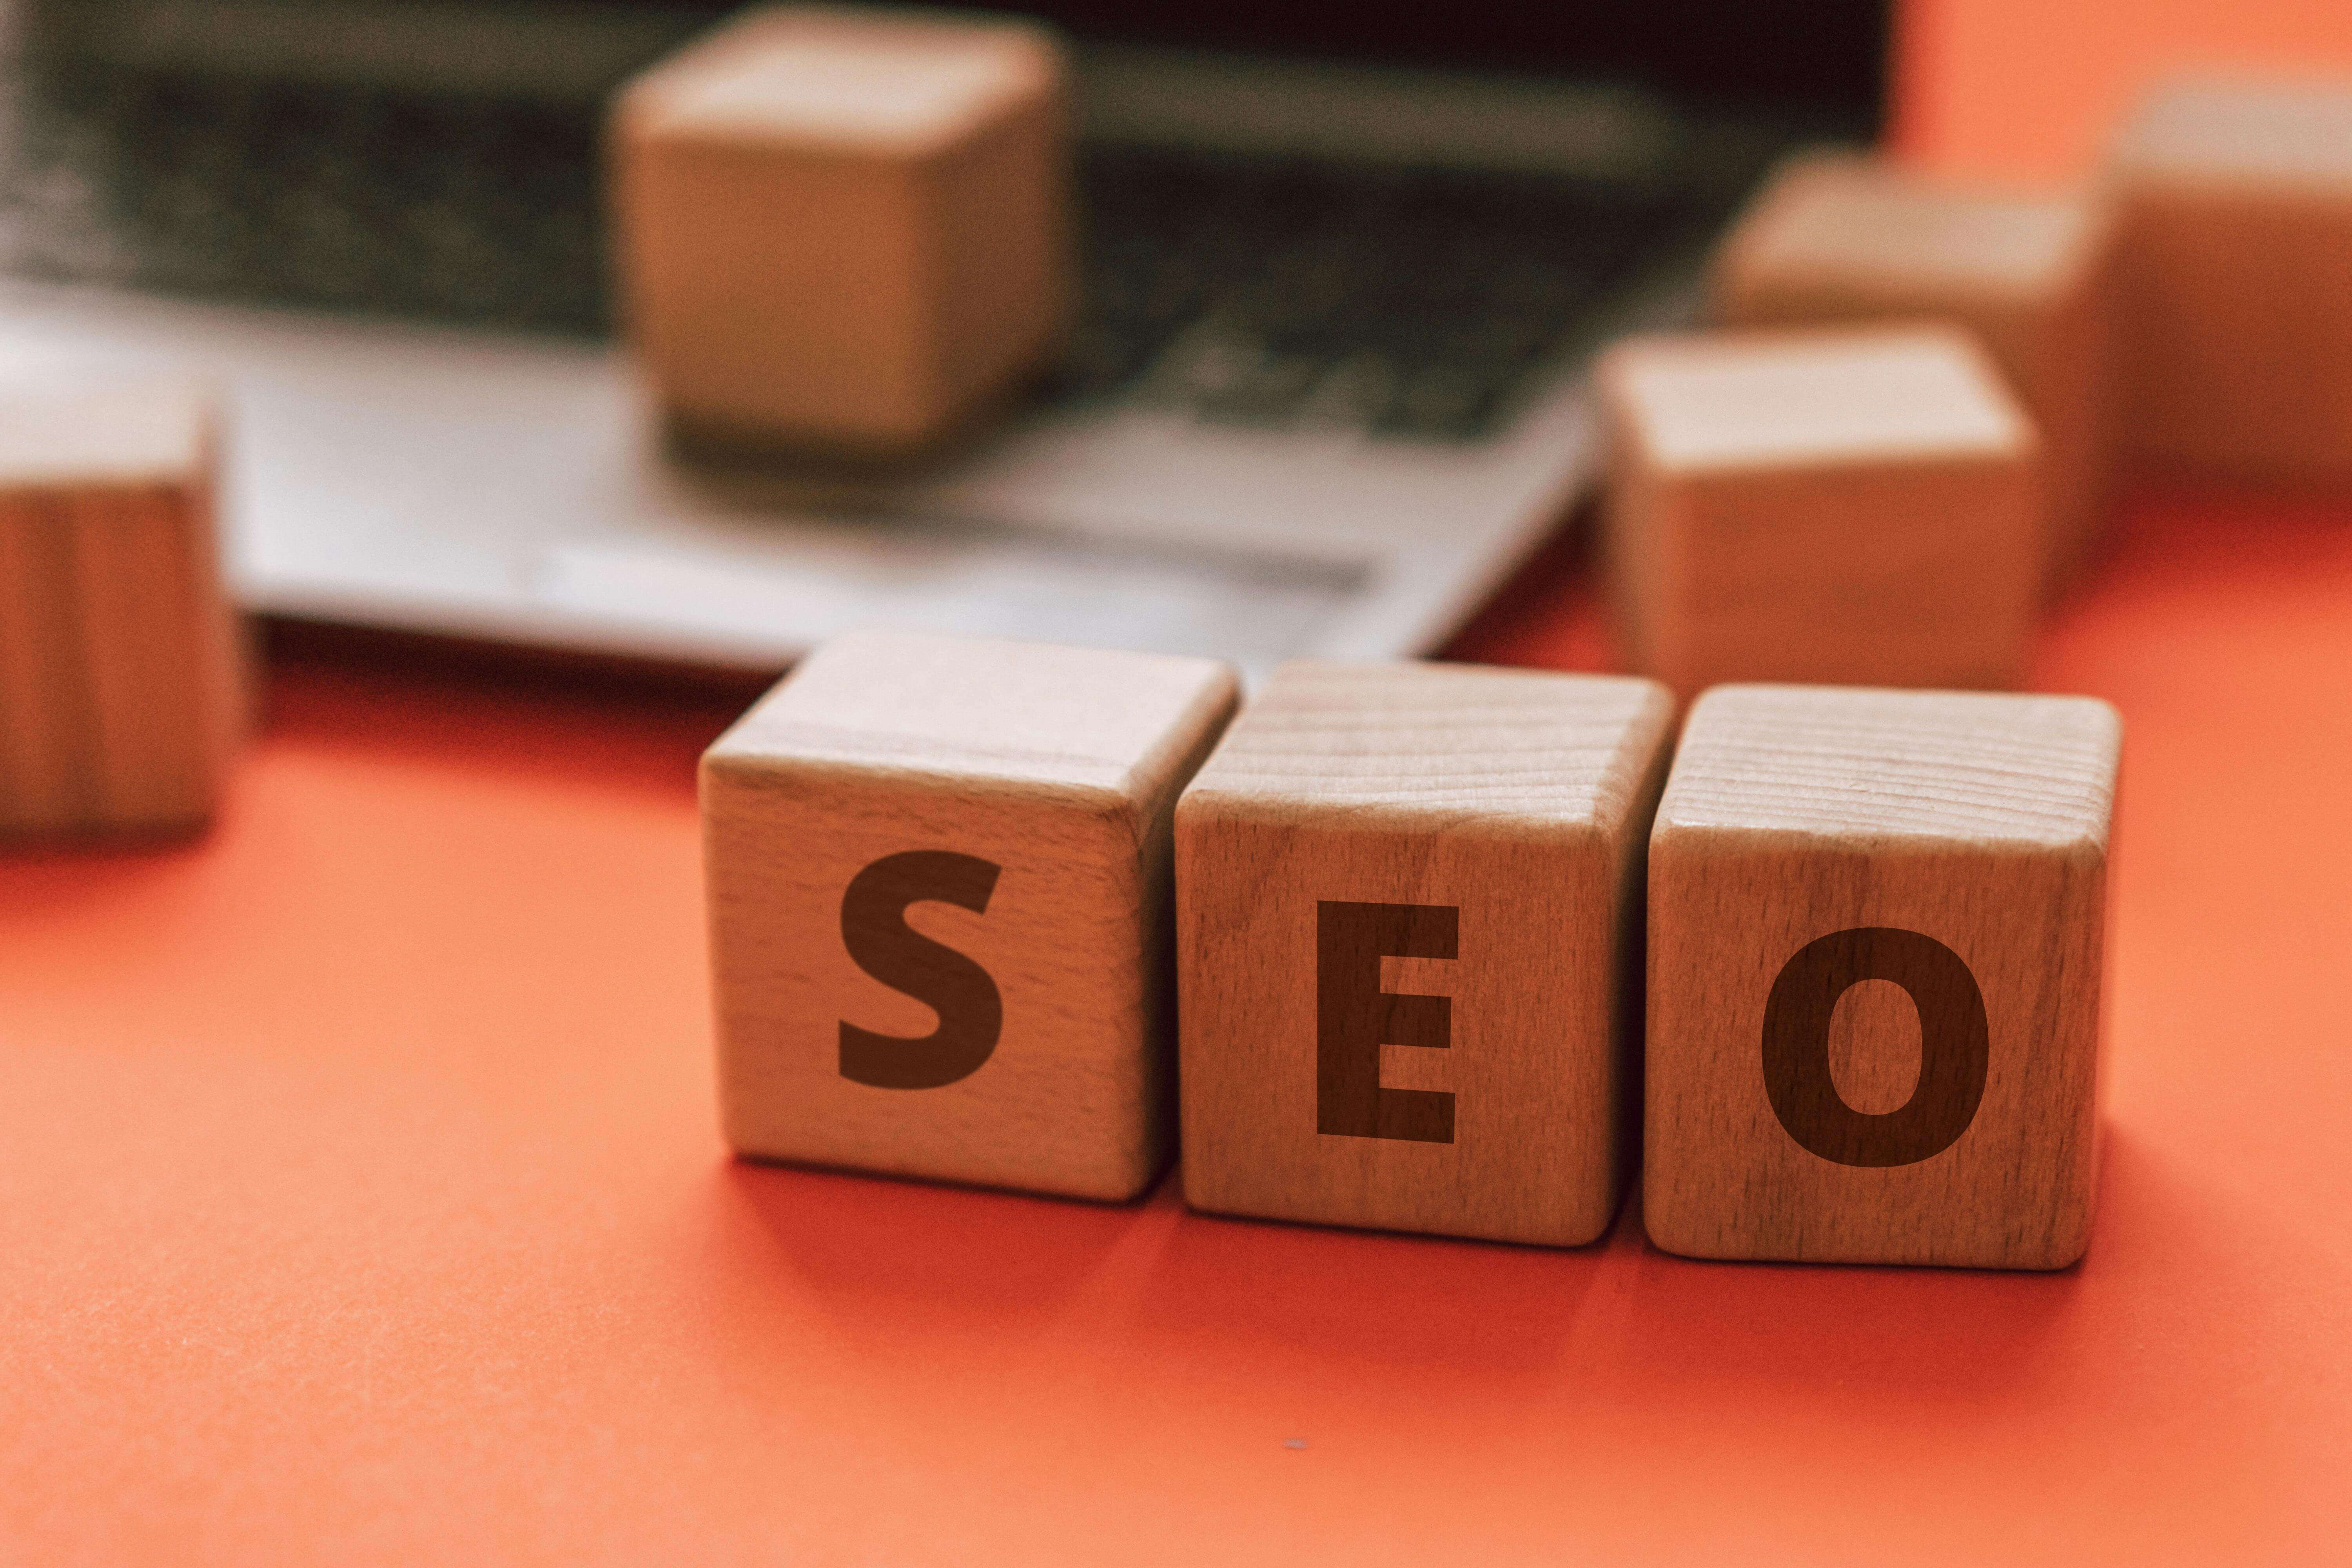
[[1875, 951], [940, 885], [844, 231], [122, 675], [2237, 279], [1407, 895], [1855, 506], [1844, 239]]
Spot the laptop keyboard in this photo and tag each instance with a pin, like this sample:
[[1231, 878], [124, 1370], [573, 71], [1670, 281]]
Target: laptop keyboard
[[1417, 304], [1411, 302], [450, 209]]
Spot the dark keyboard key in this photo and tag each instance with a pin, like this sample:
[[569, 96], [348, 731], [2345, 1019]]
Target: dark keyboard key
[[1442, 402], [1455, 285], [1272, 391]]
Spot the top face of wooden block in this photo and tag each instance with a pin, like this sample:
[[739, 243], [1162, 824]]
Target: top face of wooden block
[[1938, 768], [1747, 400], [1847, 218], [974, 709], [2295, 135], [871, 82], [85, 430], [1417, 741]]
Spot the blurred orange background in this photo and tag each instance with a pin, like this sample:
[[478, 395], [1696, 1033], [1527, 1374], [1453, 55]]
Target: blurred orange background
[[2028, 87]]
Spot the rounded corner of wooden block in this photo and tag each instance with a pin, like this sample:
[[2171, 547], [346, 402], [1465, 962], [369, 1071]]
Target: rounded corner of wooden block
[[728, 764], [2059, 1260], [1136, 1185], [2063, 1249], [1589, 1228], [1669, 1232]]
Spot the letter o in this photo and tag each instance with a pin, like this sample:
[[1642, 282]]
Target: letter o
[[1955, 1048]]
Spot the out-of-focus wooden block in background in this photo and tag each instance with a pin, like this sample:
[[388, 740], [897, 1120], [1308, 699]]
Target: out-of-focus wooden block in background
[[1817, 855], [2237, 279], [940, 885], [844, 231], [1842, 238], [1383, 858], [121, 690], [1843, 505]]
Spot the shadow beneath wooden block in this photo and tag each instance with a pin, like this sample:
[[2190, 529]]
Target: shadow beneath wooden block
[[1943, 1340], [878, 1249], [47, 879], [409, 702], [1360, 1304]]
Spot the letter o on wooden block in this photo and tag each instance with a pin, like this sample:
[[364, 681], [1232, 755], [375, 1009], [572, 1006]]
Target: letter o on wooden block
[[939, 886], [1407, 899], [1953, 1046], [1845, 239], [1811, 840], [844, 231], [2237, 279], [122, 668]]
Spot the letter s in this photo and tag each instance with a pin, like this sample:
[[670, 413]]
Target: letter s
[[874, 929]]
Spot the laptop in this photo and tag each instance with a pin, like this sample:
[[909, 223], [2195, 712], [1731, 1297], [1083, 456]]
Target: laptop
[[1342, 269]]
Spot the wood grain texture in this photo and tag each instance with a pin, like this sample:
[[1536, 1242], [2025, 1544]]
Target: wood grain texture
[[44, 761], [121, 667], [1975, 822], [844, 231], [1511, 809], [1844, 239], [1850, 506], [1059, 769], [2236, 246]]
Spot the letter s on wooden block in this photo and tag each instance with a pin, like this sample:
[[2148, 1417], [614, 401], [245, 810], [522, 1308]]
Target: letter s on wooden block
[[1485, 824], [1812, 840], [874, 929], [1023, 793]]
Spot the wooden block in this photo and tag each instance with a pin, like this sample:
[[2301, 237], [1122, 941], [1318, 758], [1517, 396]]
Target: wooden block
[[2236, 246], [122, 684], [1876, 940], [1841, 239], [1853, 506], [940, 885], [1407, 899], [844, 231]]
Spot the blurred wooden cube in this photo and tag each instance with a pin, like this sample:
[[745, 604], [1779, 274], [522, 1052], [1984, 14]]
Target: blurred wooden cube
[[844, 231], [1844, 239], [2237, 279], [1486, 825], [1847, 506], [1877, 938], [940, 905], [122, 687]]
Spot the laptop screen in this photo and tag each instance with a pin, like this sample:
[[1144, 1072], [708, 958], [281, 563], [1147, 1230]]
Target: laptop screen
[[1830, 54], [441, 157]]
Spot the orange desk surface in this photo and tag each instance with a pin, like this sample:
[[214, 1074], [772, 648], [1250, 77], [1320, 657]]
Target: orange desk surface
[[361, 1201]]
